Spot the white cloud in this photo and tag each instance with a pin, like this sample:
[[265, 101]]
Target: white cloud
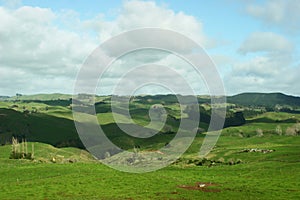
[[38, 53], [35, 55], [30, 42], [281, 13], [267, 73], [260, 66], [139, 14], [266, 42], [41, 51], [178, 74], [274, 65]]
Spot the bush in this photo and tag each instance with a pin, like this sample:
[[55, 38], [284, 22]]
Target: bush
[[278, 130], [238, 161], [259, 132], [231, 161], [294, 130], [221, 160], [15, 155]]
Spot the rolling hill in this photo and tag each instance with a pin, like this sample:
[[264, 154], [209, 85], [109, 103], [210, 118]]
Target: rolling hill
[[48, 118], [250, 160], [264, 99]]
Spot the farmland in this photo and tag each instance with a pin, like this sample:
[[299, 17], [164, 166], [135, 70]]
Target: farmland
[[258, 159]]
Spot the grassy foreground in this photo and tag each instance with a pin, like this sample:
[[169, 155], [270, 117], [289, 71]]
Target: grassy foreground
[[230, 170], [260, 176]]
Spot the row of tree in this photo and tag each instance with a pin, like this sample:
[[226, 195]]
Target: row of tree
[[20, 149]]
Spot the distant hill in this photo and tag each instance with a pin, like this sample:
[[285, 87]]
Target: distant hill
[[47, 118], [4, 97], [244, 99], [42, 97], [264, 99]]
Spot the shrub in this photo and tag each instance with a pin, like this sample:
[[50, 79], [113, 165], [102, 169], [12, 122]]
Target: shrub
[[15, 155], [278, 130], [19, 150], [221, 160], [294, 130], [259, 132], [231, 161], [291, 131], [238, 161]]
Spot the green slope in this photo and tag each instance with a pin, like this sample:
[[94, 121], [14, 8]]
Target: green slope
[[52, 122], [39, 127], [42, 97], [45, 153], [264, 99], [259, 176]]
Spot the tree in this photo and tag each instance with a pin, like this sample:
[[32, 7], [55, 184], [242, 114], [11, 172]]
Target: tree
[[18, 95], [20, 150], [278, 130], [294, 130], [259, 132]]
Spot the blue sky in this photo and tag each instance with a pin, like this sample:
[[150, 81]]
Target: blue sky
[[255, 44]]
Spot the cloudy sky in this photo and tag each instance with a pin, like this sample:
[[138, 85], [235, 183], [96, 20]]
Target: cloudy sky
[[254, 44]]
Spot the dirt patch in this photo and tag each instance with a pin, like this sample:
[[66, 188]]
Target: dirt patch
[[203, 186]]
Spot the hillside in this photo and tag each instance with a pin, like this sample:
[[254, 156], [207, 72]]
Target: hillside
[[264, 99], [234, 174], [37, 127], [41, 97], [244, 99], [45, 153], [252, 157], [48, 118]]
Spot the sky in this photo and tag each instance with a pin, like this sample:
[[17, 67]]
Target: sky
[[254, 44]]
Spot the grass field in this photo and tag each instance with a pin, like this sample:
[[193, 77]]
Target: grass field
[[260, 176], [229, 171]]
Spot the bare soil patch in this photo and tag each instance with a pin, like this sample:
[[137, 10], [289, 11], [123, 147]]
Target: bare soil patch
[[203, 186]]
